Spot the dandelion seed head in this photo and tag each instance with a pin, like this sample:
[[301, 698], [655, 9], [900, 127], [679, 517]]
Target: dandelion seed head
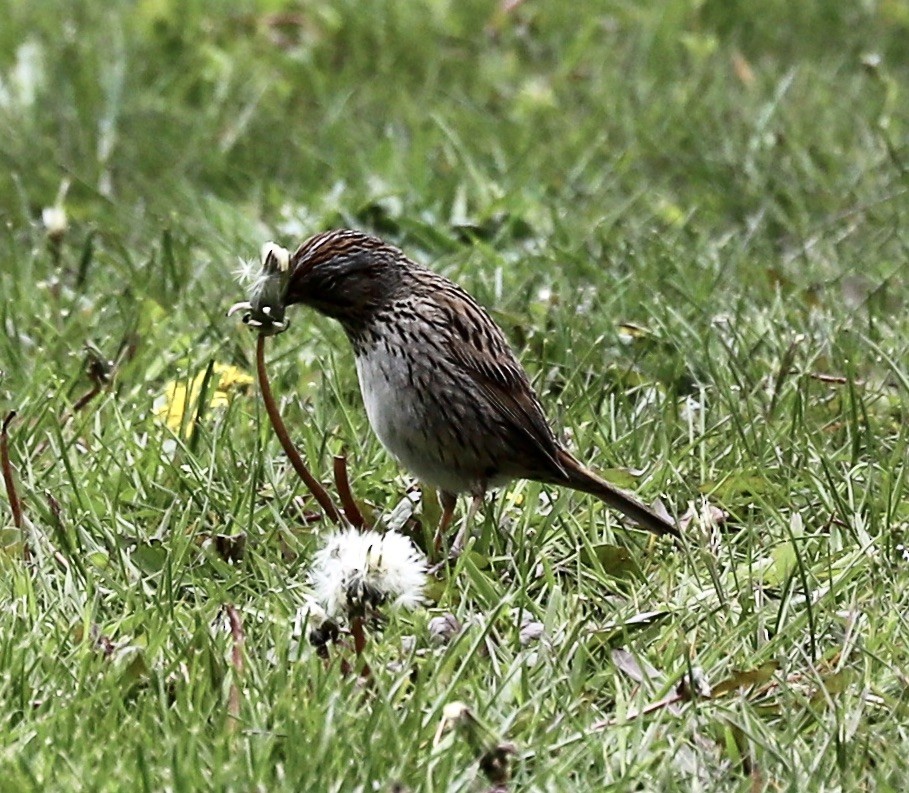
[[454, 711], [357, 570], [55, 222]]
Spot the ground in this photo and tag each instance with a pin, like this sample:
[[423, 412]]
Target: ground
[[690, 219]]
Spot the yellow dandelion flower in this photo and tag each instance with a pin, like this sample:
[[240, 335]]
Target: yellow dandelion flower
[[179, 403], [231, 377]]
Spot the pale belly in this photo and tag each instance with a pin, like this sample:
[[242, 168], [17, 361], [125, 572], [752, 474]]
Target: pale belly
[[419, 420]]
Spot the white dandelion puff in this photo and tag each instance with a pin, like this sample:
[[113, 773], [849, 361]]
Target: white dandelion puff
[[454, 711], [253, 274], [248, 272], [254, 277], [55, 222], [356, 571]]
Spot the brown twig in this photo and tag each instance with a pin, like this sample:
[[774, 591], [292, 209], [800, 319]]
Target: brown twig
[[348, 503], [100, 371], [8, 479], [833, 379], [271, 407], [83, 400], [236, 661]]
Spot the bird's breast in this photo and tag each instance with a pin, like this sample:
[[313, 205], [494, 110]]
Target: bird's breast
[[414, 410], [385, 382]]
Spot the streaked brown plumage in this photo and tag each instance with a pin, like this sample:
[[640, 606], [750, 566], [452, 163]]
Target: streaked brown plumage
[[443, 391]]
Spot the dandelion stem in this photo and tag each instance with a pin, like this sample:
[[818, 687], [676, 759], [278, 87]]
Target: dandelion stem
[[348, 503], [8, 480], [313, 485], [359, 637]]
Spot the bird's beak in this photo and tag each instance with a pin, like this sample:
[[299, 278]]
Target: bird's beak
[[260, 319]]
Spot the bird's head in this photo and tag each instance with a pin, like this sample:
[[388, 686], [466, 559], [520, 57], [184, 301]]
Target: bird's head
[[346, 275]]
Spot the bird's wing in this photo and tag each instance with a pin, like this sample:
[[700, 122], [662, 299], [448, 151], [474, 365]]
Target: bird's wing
[[481, 351]]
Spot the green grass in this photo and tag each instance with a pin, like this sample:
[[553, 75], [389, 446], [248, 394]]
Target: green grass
[[729, 178]]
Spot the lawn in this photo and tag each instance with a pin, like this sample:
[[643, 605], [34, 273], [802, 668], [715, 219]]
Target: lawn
[[691, 218]]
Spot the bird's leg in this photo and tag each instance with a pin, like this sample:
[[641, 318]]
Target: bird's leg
[[458, 545], [448, 501]]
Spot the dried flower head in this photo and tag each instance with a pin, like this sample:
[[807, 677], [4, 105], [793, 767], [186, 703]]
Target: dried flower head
[[356, 572], [455, 711], [443, 628], [55, 222], [54, 217], [265, 307]]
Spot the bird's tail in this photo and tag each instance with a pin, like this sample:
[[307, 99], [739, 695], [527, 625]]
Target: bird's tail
[[583, 479]]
